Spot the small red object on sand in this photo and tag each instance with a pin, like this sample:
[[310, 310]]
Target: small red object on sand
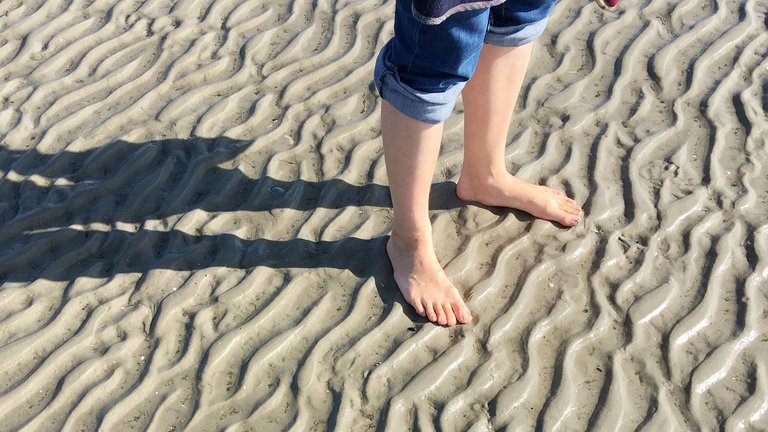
[[607, 4]]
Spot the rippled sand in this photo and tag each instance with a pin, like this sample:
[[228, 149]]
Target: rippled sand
[[193, 208]]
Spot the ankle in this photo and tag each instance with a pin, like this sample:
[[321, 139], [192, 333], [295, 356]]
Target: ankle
[[474, 185], [483, 176], [411, 239]]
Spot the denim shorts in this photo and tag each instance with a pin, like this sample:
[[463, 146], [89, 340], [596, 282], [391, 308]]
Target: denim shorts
[[424, 67]]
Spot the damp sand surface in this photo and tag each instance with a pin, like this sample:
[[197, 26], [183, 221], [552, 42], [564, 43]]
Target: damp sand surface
[[194, 207]]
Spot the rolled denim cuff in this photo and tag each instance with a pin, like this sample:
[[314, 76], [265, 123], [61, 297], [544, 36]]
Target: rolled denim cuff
[[427, 107], [515, 36]]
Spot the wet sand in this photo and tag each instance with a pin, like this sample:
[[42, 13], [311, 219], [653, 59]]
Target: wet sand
[[194, 207]]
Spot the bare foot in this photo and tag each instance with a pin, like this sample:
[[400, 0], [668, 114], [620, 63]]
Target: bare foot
[[424, 284], [509, 191]]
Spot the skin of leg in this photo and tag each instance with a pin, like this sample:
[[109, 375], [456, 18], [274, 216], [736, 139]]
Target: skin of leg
[[411, 149], [490, 97]]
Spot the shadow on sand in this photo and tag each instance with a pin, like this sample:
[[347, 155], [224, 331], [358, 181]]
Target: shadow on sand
[[42, 197]]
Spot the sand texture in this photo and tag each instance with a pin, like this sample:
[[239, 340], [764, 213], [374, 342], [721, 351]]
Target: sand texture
[[194, 207]]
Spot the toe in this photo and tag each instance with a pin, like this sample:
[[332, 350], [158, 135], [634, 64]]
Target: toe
[[569, 205], [441, 318], [450, 314], [569, 220], [572, 210], [419, 307], [461, 311], [576, 208], [431, 314], [465, 315]]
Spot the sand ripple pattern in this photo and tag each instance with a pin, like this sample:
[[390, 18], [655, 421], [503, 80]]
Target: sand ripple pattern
[[193, 210]]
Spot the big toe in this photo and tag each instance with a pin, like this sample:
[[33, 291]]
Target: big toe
[[570, 220], [461, 311], [571, 211], [464, 316]]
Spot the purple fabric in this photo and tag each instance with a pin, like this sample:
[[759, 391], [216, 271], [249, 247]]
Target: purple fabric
[[436, 11]]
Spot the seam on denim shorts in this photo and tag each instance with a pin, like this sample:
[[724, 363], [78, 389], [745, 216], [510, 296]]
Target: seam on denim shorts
[[416, 43], [490, 17], [378, 81], [490, 20]]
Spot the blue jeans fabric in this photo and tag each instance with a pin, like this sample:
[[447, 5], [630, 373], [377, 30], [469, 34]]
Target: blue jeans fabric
[[422, 70]]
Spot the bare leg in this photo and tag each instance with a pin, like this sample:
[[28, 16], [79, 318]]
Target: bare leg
[[489, 101], [411, 149]]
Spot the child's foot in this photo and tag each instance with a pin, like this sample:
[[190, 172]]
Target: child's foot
[[607, 4], [509, 191], [424, 284]]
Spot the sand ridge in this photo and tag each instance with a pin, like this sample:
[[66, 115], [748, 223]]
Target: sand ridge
[[194, 210]]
